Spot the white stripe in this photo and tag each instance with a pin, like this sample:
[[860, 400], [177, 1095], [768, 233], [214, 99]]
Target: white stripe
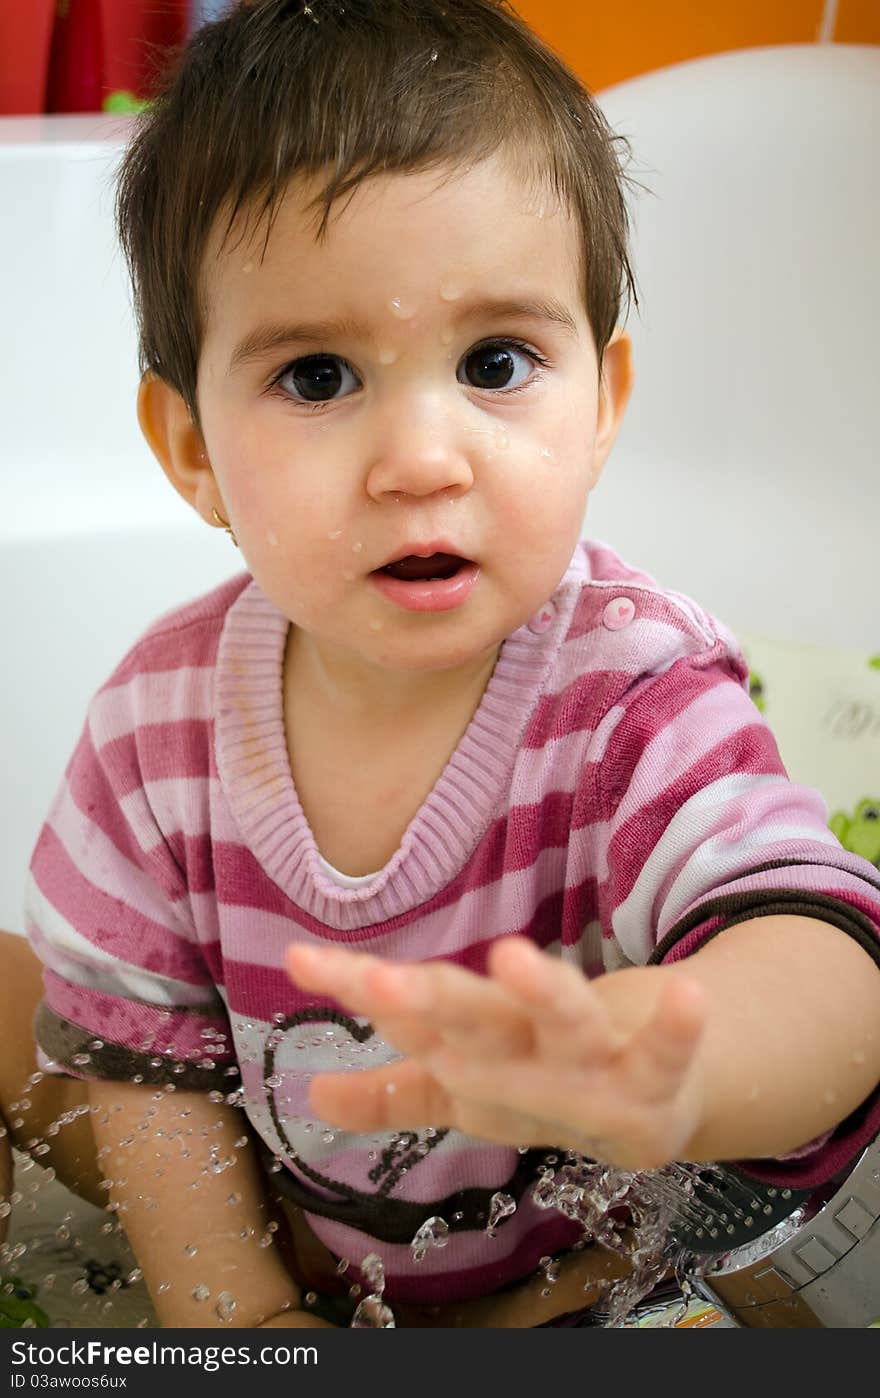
[[173, 805], [108, 870], [80, 961], [720, 713], [160, 696], [713, 860]]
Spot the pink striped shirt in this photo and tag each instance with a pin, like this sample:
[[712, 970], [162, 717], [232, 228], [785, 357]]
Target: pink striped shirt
[[616, 797]]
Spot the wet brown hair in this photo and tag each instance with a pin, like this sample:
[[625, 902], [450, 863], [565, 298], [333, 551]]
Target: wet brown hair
[[280, 88]]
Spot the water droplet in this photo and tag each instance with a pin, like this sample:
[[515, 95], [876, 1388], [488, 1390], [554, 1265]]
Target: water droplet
[[376, 624], [191, 1250], [372, 1314], [342, 1265], [451, 291], [81, 1059], [333, 535], [348, 575], [357, 546], [434, 1233], [501, 1206], [402, 309], [200, 1292], [225, 1307], [387, 356], [275, 1080]]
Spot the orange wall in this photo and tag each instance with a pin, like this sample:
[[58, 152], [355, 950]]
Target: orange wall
[[606, 44]]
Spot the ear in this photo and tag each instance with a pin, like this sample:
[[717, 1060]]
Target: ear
[[176, 442], [615, 386]]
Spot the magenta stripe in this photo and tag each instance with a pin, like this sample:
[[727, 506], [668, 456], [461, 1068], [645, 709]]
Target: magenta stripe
[[156, 751], [471, 1265], [136, 1026]]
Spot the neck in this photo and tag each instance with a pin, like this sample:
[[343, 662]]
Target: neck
[[352, 688]]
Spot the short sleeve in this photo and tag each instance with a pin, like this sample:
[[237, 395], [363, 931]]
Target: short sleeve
[[129, 992], [701, 829]]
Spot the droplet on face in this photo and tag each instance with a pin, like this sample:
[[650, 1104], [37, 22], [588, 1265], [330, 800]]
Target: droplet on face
[[387, 355], [348, 575], [376, 624], [200, 1292], [357, 546], [248, 268], [404, 310], [335, 534], [451, 291], [272, 539]]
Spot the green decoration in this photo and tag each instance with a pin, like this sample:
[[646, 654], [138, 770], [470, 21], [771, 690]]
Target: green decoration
[[17, 1305], [860, 832], [123, 104]]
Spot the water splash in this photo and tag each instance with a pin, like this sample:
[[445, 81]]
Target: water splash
[[373, 1313], [434, 1233]]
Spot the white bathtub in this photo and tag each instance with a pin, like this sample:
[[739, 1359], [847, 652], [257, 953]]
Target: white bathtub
[[747, 472]]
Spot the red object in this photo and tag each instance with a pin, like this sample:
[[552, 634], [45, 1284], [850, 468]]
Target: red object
[[76, 59], [25, 30], [135, 34]]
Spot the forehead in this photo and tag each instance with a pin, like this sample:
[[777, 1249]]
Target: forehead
[[399, 237]]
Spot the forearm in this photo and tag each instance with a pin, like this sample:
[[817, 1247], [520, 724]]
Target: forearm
[[792, 1040]]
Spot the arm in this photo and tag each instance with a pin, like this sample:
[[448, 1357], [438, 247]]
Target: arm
[[791, 1042], [764, 1038], [175, 1210]]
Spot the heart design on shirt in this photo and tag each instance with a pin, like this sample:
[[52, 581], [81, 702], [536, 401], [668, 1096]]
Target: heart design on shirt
[[377, 1212]]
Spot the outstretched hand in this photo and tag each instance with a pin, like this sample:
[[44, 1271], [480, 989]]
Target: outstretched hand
[[531, 1054]]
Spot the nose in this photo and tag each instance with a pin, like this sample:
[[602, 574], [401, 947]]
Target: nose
[[419, 450]]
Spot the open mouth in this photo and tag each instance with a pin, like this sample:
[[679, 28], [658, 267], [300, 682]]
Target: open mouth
[[437, 567]]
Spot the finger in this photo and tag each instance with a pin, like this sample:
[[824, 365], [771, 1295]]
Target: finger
[[659, 1054], [406, 1096], [458, 1005], [403, 1095], [452, 1000], [331, 971], [570, 1022]]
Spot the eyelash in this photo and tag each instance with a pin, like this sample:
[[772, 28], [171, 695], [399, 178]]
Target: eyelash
[[505, 342]]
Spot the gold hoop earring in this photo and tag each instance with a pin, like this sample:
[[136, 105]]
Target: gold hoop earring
[[224, 524]]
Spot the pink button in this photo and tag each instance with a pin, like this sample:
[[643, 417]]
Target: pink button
[[618, 614], [543, 619]]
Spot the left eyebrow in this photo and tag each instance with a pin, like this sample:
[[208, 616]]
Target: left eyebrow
[[266, 339]]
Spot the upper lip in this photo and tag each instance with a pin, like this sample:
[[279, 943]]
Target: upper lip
[[424, 551]]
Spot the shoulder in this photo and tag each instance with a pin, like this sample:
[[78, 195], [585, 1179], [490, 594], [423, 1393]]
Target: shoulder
[[167, 675], [624, 617], [626, 631]]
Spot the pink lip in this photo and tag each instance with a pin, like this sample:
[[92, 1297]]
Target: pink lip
[[438, 595]]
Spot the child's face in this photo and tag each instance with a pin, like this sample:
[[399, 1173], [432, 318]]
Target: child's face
[[412, 424]]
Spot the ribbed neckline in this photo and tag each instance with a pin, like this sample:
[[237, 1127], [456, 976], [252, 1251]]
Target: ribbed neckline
[[255, 773]]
